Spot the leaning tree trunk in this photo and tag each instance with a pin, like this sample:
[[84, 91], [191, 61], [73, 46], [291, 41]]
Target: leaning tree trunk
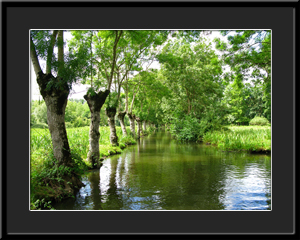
[[139, 123], [95, 102], [56, 102], [111, 113], [121, 116], [132, 124]]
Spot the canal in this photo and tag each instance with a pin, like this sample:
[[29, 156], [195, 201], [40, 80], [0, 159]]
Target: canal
[[160, 173]]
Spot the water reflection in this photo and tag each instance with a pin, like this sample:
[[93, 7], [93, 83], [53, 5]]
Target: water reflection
[[160, 174], [249, 189]]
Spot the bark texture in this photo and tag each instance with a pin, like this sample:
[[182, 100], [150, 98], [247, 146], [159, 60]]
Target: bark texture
[[132, 124], [111, 113], [56, 101], [121, 116], [95, 102], [139, 131]]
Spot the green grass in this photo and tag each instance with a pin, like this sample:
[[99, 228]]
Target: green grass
[[78, 140], [239, 138]]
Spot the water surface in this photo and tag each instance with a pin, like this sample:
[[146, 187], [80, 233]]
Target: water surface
[[161, 174]]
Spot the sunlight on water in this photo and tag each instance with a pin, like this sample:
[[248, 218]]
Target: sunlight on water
[[247, 190]]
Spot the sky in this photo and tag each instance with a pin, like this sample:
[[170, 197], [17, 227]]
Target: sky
[[79, 90]]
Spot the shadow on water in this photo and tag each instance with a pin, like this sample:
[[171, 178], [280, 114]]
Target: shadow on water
[[161, 174]]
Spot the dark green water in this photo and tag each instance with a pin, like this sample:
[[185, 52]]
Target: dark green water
[[160, 174]]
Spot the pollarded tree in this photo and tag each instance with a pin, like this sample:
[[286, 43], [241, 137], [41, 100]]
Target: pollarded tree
[[98, 51], [54, 84]]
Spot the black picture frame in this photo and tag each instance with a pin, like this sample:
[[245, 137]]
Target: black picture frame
[[19, 17]]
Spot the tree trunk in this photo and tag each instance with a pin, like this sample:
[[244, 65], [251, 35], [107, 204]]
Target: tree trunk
[[56, 102], [111, 113], [144, 125], [121, 116], [139, 123], [95, 103], [132, 124]]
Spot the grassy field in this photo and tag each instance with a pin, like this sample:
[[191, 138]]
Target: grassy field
[[241, 138]]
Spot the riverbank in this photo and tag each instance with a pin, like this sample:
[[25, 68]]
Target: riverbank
[[45, 178], [254, 139]]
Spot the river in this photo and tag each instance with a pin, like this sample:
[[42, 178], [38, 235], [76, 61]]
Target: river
[[161, 174]]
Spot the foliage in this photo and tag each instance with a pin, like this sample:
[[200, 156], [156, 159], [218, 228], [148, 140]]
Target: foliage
[[39, 113], [46, 175], [193, 75], [259, 121], [41, 204], [147, 104], [236, 97], [186, 129], [41, 40], [248, 54]]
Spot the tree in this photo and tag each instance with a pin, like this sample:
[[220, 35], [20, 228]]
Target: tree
[[192, 73], [102, 62], [133, 51], [54, 90], [148, 100], [236, 97], [248, 53]]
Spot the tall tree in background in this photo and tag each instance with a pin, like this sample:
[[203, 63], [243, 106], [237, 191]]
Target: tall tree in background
[[54, 89], [192, 73], [248, 53]]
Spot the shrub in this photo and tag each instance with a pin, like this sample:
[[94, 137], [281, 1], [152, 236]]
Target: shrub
[[186, 129], [260, 121]]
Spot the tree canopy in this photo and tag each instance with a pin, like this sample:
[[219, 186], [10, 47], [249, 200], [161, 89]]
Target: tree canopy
[[192, 78]]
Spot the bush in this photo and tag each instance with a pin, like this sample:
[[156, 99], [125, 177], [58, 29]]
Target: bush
[[260, 121], [186, 129]]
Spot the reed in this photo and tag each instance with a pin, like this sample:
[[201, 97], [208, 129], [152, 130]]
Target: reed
[[239, 138]]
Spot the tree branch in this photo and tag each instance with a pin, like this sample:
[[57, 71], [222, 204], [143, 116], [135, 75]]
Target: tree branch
[[50, 52], [114, 57], [60, 53], [34, 58]]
